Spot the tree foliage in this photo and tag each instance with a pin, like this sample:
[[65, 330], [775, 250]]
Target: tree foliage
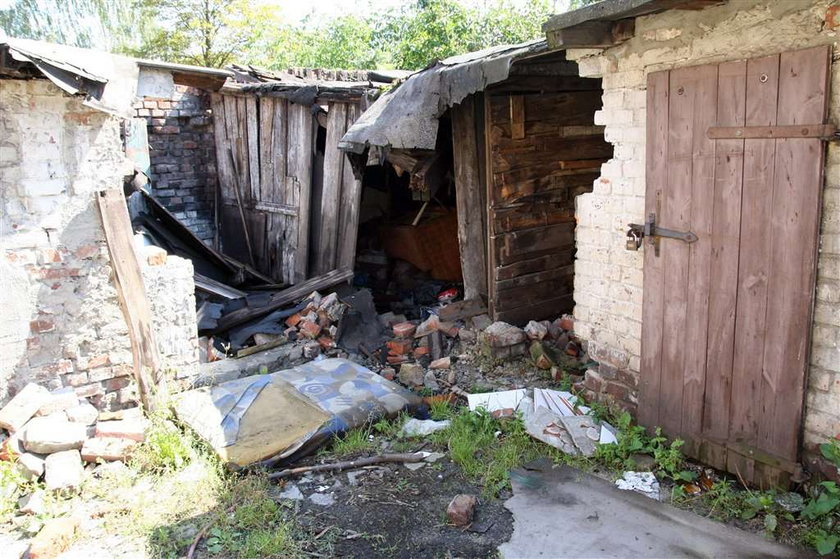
[[217, 32]]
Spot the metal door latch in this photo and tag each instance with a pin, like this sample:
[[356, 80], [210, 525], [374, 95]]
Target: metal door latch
[[637, 232]]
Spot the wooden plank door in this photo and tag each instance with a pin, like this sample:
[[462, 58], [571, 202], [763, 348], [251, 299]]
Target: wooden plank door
[[727, 319], [264, 150], [542, 150]]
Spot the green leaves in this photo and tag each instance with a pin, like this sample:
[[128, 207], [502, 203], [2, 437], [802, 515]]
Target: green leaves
[[825, 502], [824, 542]]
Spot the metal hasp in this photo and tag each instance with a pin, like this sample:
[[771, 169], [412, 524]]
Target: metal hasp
[[653, 233]]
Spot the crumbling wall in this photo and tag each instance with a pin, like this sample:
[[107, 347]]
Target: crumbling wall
[[61, 323], [170, 288], [183, 157], [608, 278], [60, 320]]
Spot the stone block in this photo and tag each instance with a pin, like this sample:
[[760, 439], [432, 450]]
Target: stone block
[[133, 428], [461, 509], [502, 334], [107, 449], [442, 363], [63, 471], [58, 401], [54, 433], [31, 466], [83, 413], [411, 374], [535, 330], [23, 406], [54, 538]]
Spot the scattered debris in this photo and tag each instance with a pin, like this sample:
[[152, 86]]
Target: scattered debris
[[640, 482], [23, 406], [461, 510], [351, 464], [422, 427], [492, 401]]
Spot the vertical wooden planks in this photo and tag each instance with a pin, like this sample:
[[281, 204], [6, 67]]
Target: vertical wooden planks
[[705, 84], [676, 214], [471, 230], [351, 199], [756, 231], [221, 140], [253, 146], [797, 188], [301, 146], [650, 398], [725, 240], [331, 194], [517, 117]]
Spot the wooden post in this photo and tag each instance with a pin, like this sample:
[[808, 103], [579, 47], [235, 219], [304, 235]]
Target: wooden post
[[468, 185], [131, 292]]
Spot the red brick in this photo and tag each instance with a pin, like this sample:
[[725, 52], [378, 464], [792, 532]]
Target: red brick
[[593, 381], [86, 251], [421, 351], [133, 428], [404, 329], [628, 378], [114, 384], [97, 361], [617, 391], [326, 343], [397, 359], [567, 323], [460, 510], [832, 17], [399, 347], [49, 255], [89, 390], [75, 379], [294, 320], [42, 325], [60, 367], [107, 449], [309, 329]]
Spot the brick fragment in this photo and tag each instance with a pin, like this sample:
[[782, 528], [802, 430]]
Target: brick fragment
[[107, 449], [404, 329], [54, 538], [133, 428], [309, 329], [461, 509], [23, 406], [399, 347]]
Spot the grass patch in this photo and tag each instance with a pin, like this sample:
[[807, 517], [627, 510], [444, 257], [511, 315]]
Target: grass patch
[[487, 448], [353, 442]]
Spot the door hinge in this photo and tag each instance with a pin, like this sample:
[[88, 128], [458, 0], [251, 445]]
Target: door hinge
[[653, 233]]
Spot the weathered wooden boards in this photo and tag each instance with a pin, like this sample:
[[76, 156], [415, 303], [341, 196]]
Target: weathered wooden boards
[[272, 143], [711, 372], [542, 150], [335, 228], [132, 295], [470, 198]]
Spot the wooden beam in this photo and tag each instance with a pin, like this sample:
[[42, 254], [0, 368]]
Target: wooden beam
[[472, 230], [821, 131], [591, 34], [517, 117], [131, 293]]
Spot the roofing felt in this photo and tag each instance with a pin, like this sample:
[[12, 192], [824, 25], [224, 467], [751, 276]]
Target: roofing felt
[[406, 117]]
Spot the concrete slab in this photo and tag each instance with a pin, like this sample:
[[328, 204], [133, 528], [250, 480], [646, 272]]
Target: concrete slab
[[563, 512]]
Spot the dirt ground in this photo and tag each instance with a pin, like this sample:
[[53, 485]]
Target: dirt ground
[[393, 512]]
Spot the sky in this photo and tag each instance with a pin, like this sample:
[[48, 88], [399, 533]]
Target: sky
[[296, 10]]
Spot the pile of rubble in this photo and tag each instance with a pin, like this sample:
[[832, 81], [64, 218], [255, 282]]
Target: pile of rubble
[[317, 323], [55, 434]]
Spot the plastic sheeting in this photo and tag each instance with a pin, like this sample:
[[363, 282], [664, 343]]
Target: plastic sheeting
[[279, 417]]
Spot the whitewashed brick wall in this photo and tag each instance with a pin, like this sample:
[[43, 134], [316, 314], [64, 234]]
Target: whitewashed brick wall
[[60, 322], [608, 278]]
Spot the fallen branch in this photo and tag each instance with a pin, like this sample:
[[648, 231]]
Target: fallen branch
[[198, 537], [351, 464]]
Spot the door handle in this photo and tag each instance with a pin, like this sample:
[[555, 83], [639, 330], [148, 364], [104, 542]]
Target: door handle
[[653, 232]]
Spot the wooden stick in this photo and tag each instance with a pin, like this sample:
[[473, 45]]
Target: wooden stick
[[420, 214], [198, 537], [239, 205], [352, 464]]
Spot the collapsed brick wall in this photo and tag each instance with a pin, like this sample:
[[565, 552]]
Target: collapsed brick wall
[[608, 279], [61, 321], [183, 156]]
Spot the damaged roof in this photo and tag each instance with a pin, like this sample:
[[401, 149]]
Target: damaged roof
[[406, 117], [306, 86], [109, 82]]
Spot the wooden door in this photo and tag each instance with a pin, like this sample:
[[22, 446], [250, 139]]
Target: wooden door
[[542, 151], [727, 319], [264, 154]]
